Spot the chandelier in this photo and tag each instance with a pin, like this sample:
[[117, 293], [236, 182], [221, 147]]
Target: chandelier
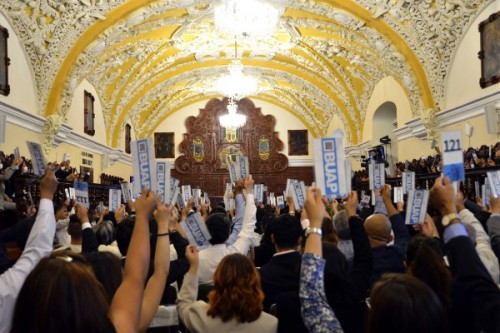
[[232, 119], [236, 85], [248, 18]]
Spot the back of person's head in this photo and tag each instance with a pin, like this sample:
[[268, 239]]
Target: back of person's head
[[219, 226], [237, 293], [329, 234], [266, 222], [74, 228], [286, 231], [218, 209], [341, 223], [400, 303], [23, 229], [124, 234], [378, 228], [424, 258], [108, 271], [105, 232], [61, 294]]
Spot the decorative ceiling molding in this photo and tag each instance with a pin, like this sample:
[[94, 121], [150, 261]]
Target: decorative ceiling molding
[[150, 58]]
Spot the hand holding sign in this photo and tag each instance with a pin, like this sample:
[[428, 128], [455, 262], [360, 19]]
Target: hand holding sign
[[352, 204], [443, 196], [145, 204], [249, 184], [162, 215], [193, 258], [82, 213], [315, 207], [48, 184]]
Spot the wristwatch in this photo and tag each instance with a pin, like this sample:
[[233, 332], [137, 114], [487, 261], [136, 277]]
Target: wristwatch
[[314, 230], [445, 220]]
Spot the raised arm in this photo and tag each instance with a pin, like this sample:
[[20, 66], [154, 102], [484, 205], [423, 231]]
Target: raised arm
[[126, 305], [89, 239], [317, 314], [189, 291], [38, 246], [156, 283], [240, 211], [245, 236], [493, 224]]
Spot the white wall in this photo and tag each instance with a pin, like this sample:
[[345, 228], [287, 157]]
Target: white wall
[[22, 85], [462, 83]]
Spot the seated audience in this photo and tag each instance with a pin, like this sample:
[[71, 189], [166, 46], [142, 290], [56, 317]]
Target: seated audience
[[235, 303]]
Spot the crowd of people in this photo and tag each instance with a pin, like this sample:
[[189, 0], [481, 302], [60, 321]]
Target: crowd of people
[[484, 156], [328, 267]]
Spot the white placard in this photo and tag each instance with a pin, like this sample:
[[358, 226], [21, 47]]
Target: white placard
[[376, 172], [37, 158], [196, 196], [114, 199], [17, 155], [242, 164], [258, 189], [163, 181], [229, 189], [398, 194], [453, 156], [408, 182], [66, 157], [144, 165], [125, 192], [288, 191], [477, 189], [280, 202], [180, 200], [133, 194], [72, 194], [486, 193], [66, 192], [186, 193], [349, 174], [494, 181], [298, 194], [365, 200], [416, 206], [172, 197], [82, 193], [196, 231], [233, 172], [329, 167]]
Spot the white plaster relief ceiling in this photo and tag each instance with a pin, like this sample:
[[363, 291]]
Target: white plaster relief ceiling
[[148, 59]]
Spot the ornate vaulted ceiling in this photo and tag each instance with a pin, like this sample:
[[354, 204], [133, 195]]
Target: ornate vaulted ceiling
[[147, 59]]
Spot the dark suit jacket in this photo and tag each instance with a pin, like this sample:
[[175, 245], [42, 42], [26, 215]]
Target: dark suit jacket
[[475, 297], [280, 275]]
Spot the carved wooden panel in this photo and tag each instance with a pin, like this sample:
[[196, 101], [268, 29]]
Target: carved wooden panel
[[207, 146]]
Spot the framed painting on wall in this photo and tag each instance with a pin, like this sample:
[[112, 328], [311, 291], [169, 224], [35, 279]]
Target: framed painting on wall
[[298, 143], [4, 62], [490, 50], [164, 145]]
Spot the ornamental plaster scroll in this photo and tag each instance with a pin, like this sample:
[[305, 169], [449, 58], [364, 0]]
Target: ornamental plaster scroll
[[50, 130], [430, 121]]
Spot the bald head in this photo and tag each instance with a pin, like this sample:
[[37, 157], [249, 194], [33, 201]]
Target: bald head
[[378, 228]]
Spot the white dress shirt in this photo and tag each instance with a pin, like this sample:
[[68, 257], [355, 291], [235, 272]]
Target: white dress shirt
[[211, 256], [39, 245]]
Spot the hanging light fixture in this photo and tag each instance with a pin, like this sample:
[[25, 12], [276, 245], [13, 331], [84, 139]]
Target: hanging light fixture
[[232, 119], [236, 85], [248, 18]]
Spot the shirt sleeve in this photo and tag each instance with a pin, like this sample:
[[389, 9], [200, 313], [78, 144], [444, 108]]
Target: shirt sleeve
[[187, 296], [238, 219], [244, 240], [317, 314], [38, 246]]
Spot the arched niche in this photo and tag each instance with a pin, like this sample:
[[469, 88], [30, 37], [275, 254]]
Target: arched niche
[[383, 125]]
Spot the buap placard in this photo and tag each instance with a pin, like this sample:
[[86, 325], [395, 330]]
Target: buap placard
[[125, 191], [258, 189], [144, 165], [114, 199], [163, 181], [37, 158], [196, 231], [416, 206], [494, 180], [298, 194], [376, 174], [408, 182], [329, 166]]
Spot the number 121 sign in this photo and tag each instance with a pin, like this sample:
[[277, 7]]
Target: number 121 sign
[[453, 156]]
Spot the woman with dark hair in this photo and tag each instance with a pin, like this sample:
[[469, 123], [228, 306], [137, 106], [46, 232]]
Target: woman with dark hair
[[402, 303], [235, 303]]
